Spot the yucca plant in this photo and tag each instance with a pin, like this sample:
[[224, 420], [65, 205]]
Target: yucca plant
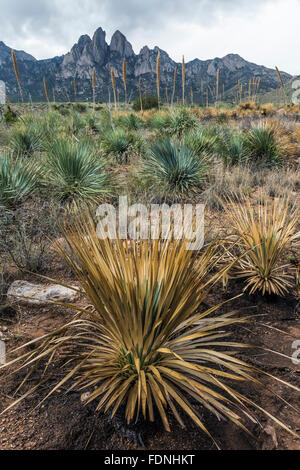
[[262, 145], [18, 179], [75, 172], [232, 147], [144, 348], [180, 123], [174, 168], [201, 141], [263, 234], [25, 143], [118, 144]]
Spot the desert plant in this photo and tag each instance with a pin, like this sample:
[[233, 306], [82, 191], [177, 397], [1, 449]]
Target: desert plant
[[201, 141], [25, 143], [144, 346], [148, 102], [118, 144], [263, 234], [232, 148], [262, 145], [75, 172], [18, 179], [180, 123], [175, 168]]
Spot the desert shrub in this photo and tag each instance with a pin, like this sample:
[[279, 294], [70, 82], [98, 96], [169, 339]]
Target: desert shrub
[[25, 143], [174, 168], [232, 148], [262, 146], [25, 235], [181, 122], [149, 102], [201, 141], [75, 172], [10, 117], [131, 122], [119, 143], [144, 349], [18, 179], [80, 107], [263, 233]]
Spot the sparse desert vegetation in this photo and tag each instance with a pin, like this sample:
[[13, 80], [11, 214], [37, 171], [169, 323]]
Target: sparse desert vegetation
[[200, 342]]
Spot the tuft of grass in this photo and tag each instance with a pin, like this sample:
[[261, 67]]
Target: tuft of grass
[[25, 143], [262, 145]]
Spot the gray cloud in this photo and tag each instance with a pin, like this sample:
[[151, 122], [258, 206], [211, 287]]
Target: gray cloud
[[49, 27]]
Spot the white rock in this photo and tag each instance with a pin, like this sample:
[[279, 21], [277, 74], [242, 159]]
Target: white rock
[[39, 294], [2, 350]]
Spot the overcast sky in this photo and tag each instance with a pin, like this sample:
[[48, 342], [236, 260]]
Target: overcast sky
[[262, 31]]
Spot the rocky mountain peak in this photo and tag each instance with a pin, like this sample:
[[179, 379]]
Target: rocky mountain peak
[[99, 46], [120, 45]]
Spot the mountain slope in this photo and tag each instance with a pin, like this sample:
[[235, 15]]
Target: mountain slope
[[95, 52]]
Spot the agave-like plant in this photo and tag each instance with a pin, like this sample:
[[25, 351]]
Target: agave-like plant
[[181, 122], [25, 143], [18, 179], [263, 233], [145, 346], [118, 143], [232, 148], [174, 168], [75, 172], [263, 146], [201, 141]]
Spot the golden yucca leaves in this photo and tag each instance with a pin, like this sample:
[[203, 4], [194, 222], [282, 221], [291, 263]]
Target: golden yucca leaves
[[113, 82], [264, 233], [144, 345]]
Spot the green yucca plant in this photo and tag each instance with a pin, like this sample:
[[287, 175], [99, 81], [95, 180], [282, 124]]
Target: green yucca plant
[[232, 148], [18, 179], [118, 144], [201, 141], [144, 348], [180, 122], [263, 233], [262, 145], [25, 143], [75, 172], [176, 169]]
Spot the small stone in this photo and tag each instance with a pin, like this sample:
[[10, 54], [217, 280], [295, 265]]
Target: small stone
[[84, 397], [39, 294]]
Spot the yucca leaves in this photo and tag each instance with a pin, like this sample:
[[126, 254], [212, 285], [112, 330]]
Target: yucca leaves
[[18, 179], [175, 168], [144, 346], [75, 172], [264, 233]]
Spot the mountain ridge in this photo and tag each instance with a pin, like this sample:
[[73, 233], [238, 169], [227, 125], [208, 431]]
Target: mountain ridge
[[90, 52]]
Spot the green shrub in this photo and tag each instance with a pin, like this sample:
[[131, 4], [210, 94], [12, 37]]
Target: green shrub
[[149, 102], [262, 146]]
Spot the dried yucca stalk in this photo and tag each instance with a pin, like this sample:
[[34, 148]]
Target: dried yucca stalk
[[124, 74], [94, 86], [113, 82], [192, 96], [75, 88], [140, 93], [217, 84], [46, 91], [53, 95], [17, 73], [158, 77], [249, 92], [282, 85], [240, 90], [183, 80], [174, 85]]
